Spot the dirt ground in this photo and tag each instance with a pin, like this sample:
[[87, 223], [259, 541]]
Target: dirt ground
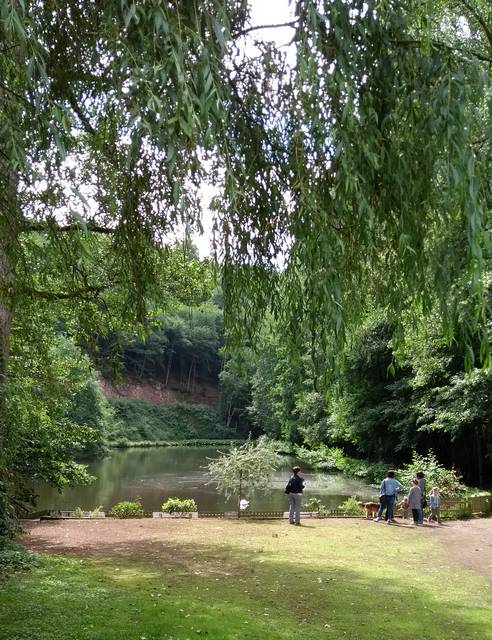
[[158, 393], [468, 543]]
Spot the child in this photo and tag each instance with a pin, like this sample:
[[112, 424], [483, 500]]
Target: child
[[435, 505], [403, 507]]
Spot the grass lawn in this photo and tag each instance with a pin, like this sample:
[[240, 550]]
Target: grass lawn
[[257, 580]]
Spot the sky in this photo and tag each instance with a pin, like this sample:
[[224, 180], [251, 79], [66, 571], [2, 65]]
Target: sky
[[262, 12]]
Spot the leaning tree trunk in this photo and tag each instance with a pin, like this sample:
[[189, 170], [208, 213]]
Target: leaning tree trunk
[[9, 223], [8, 241]]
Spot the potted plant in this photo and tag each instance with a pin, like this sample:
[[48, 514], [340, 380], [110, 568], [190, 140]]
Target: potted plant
[[179, 508]]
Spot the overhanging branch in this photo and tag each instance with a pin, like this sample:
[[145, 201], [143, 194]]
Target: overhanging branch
[[441, 45], [86, 293], [292, 24], [72, 227]]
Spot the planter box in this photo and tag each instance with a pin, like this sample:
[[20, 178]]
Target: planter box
[[72, 514], [161, 514]]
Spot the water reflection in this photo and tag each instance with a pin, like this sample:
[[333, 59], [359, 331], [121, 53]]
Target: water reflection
[[158, 473]]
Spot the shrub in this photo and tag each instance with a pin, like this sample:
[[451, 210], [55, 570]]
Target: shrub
[[127, 509], [313, 504], [350, 506], [334, 459], [435, 475], [14, 557], [177, 505], [325, 457]]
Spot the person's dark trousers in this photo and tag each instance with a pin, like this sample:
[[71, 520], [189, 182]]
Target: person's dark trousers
[[415, 514], [381, 508], [389, 507]]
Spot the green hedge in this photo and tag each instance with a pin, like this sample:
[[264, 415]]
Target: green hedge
[[139, 421]]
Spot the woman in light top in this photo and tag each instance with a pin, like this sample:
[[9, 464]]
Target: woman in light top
[[415, 501]]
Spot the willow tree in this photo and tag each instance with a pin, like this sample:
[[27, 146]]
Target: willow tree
[[356, 163]]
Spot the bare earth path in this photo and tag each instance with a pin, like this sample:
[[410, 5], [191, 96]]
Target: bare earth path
[[467, 543]]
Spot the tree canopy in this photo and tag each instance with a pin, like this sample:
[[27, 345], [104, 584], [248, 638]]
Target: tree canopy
[[361, 162], [358, 173]]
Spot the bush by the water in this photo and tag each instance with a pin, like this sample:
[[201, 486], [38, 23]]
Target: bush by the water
[[139, 420], [351, 506], [313, 504], [127, 509], [448, 480], [178, 505], [334, 459]]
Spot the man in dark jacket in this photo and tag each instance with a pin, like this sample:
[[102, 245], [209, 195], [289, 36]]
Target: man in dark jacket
[[294, 490]]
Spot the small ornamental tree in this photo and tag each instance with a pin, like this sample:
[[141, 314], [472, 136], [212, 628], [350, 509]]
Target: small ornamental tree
[[245, 468]]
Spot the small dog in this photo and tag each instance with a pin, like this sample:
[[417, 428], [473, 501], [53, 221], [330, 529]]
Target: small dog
[[370, 508]]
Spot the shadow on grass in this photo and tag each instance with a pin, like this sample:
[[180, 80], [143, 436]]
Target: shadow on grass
[[275, 586]]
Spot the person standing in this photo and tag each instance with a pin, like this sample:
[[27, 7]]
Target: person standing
[[294, 489], [415, 501], [387, 495], [435, 505], [421, 478]]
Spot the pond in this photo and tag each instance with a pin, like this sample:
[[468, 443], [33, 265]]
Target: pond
[[155, 474]]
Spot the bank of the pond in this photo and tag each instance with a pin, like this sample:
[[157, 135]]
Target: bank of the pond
[[199, 442]]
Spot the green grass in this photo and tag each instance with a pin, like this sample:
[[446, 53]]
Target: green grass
[[229, 580]]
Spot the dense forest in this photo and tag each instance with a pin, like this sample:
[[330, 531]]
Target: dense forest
[[347, 303], [381, 404]]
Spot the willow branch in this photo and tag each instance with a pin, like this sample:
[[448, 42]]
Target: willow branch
[[447, 47], [89, 292], [81, 115], [243, 32], [47, 226]]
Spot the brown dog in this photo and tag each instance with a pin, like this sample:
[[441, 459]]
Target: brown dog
[[370, 508]]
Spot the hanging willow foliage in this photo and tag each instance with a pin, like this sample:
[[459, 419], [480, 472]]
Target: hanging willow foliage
[[359, 174]]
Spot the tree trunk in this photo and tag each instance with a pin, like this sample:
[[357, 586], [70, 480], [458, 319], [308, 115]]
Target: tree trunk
[[240, 494], [194, 378], [188, 384], [230, 413], [169, 363], [9, 221]]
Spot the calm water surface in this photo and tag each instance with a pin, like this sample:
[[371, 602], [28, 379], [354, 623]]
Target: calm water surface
[[155, 474]]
